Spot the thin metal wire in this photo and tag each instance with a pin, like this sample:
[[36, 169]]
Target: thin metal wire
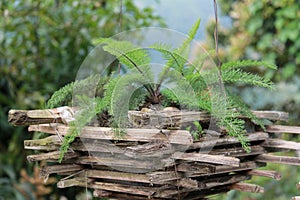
[[120, 28], [120, 16], [216, 33]]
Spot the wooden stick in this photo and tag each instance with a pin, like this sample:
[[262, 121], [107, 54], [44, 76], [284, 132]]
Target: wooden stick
[[60, 169], [266, 158], [50, 143], [199, 157], [30, 117], [272, 115], [265, 173], [191, 170], [131, 164], [257, 136], [170, 119], [52, 156], [138, 135], [283, 129], [281, 144], [247, 187]]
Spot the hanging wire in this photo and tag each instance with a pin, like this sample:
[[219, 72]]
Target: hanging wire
[[120, 28], [216, 35], [120, 16]]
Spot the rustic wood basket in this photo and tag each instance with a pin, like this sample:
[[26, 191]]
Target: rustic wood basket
[[154, 163]]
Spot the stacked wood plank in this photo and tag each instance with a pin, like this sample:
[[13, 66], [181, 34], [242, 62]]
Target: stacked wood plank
[[154, 159]]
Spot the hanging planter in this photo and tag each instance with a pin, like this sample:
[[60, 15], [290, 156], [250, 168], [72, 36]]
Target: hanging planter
[[134, 134]]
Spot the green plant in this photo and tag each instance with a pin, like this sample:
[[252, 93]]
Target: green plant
[[192, 90], [197, 131]]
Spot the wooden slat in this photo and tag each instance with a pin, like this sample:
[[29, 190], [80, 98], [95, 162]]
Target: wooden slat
[[117, 195], [281, 144], [283, 129], [131, 164], [198, 157], [226, 180], [51, 156], [162, 118], [257, 136], [105, 133], [247, 187], [30, 117], [238, 151], [196, 170], [265, 173], [272, 115], [50, 143], [60, 169], [121, 176], [83, 182], [278, 159]]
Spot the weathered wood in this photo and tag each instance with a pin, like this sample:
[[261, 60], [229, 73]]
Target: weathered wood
[[84, 181], [278, 159], [29, 117], [50, 143], [137, 118], [165, 119], [199, 157], [283, 129], [133, 165], [220, 181], [52, 156], [139, 135], [272, 115], [257, 136], [163, 176], [238, 151], [117, 195], [281, 144], [60, 169], [266, 173], [121, 176], [247, 187], [176, 119]]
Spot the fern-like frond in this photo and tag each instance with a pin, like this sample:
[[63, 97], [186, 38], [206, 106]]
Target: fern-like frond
[[61, 96], [245, 111], [237, 75], [247, 63], [191, 35], [127, 53], [82, 118]]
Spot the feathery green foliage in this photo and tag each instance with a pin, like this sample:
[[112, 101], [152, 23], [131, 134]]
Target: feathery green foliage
[[193, 88]]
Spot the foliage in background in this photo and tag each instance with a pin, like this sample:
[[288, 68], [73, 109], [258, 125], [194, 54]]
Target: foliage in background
[[42, 44]]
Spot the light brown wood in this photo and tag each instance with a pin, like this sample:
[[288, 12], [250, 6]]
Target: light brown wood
[[60, 169], [278, 159], [199, 157], [266, 173], [283, 129], [105, 133], [281, 144], [214, 142], [272, 115], [247, 187], [51, 156]]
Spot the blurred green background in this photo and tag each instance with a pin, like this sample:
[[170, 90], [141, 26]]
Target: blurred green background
[[43, 43]]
